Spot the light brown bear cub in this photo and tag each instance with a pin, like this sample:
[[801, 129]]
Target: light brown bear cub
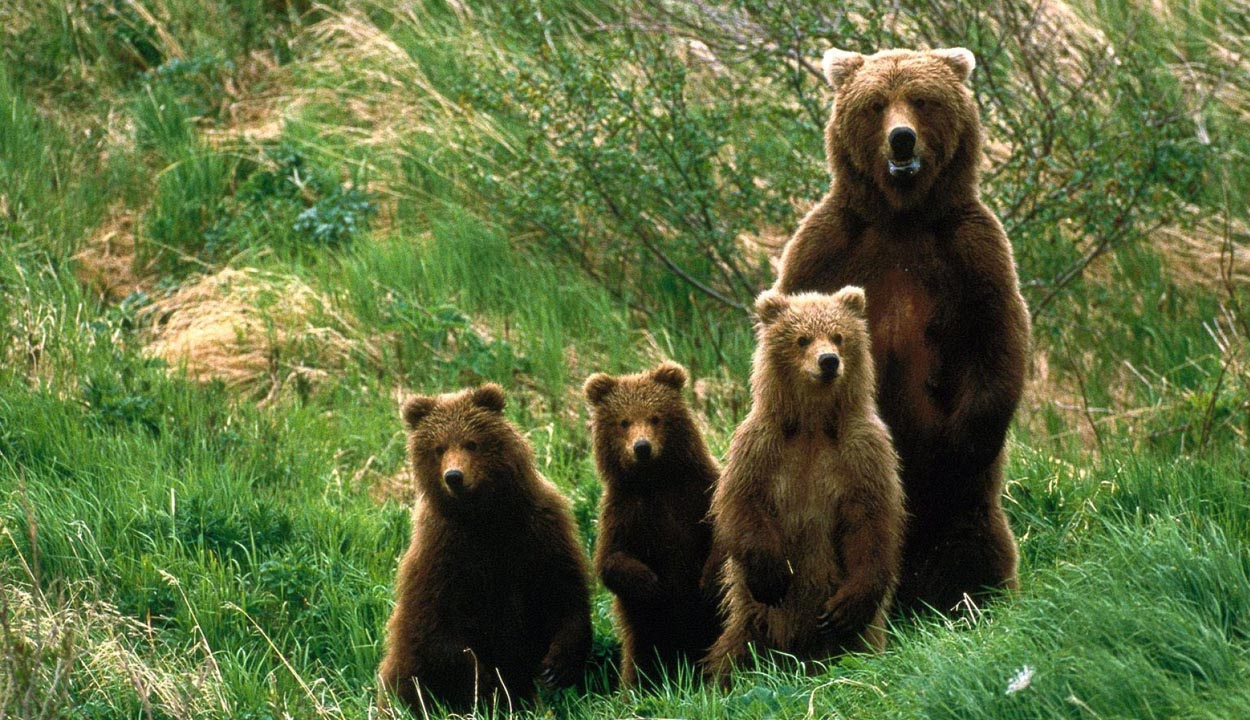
[[904, 220], [655, 539], [493, 592], [809, 508]]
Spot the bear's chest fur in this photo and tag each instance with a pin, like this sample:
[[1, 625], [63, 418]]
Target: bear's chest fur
[[900, 309], [665, 530], [808, 479], [903, 293]]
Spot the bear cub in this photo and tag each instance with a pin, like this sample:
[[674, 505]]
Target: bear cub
[[655, 539], [809, 508], [493, 592]]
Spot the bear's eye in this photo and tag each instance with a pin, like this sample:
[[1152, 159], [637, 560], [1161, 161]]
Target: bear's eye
[[655, 419], [805, 341], [837, 338], [470, 446], [440, 450], [624, 423], [878, 107], [918, 103]]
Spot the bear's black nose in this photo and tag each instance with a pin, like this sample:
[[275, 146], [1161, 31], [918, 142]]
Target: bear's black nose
[[829, 363], [642, 449], [902, 142], [454, 479]]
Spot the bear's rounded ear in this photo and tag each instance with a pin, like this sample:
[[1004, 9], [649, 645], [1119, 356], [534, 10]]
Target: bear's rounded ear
[[961, 60], [415, 408], [769, 306], [670, 374], [840, 65], [853, 297], [488, 397], [598, 386]]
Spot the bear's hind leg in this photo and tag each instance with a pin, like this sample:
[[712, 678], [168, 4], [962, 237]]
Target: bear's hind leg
[[731, 649], [970, 559]]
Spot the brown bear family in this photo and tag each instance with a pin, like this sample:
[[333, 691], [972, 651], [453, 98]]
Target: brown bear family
[[897, 292]]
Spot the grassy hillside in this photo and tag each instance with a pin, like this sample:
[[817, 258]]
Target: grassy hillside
[[234, 234]]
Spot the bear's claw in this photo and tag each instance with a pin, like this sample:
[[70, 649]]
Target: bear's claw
[[846, 615], [555, 674]]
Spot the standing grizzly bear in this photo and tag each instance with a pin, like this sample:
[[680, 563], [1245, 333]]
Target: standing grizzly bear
[[809, 508], [655, 538], [493, 591], [949, 328]]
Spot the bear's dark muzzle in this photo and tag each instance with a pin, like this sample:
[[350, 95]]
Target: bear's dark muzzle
[[454, 480], [829, 364], [902, 141], [903, 163]]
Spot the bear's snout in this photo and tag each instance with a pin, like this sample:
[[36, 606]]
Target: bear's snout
[[829, 364], [454, 479], [902, 141], [904, 163], [642, 449]]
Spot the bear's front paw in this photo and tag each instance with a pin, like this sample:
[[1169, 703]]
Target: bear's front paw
[[643, 587], [969, 451], [650, 589], [767, 579], [848, 613], [557, 672]]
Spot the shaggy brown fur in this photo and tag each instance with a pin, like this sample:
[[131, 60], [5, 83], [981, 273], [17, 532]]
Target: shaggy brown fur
[[655, 538], [493, 591], [949, 328], [809, 508]]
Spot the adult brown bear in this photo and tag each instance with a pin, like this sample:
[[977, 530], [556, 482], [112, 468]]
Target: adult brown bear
[[950, 331]]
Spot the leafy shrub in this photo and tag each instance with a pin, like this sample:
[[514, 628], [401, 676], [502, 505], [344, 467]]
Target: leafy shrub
[[336, 217], [198, 82], [444, 337], [634, 160], [123, 393], [287, 202], [288, 581], [112, 404], [219, 526]]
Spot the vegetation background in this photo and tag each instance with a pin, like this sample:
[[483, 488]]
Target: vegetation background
[[233, 233]]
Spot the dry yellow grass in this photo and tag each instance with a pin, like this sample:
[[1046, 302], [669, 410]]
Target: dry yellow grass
[[92, 647], [256, 331], [1210, 253], [400, 487], [106, 262], [257, 103]]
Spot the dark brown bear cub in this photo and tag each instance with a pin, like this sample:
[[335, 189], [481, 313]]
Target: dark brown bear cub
[[950, 331], [654, 536], [492, 594]]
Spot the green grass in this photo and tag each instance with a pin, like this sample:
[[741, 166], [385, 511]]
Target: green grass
[[439, 180]]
